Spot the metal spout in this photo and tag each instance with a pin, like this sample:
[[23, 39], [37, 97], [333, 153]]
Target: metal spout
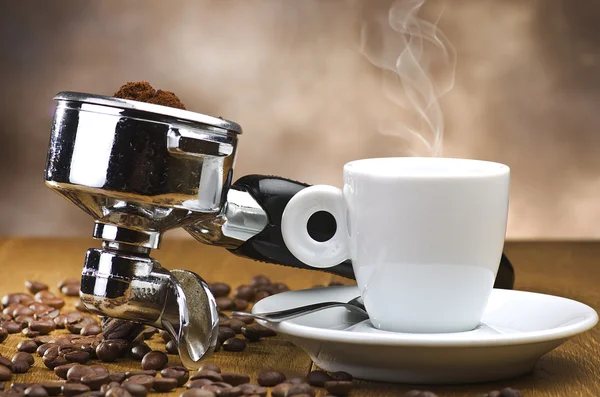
[[132, 286]]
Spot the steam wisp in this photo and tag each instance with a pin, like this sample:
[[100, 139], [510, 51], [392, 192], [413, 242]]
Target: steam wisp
[[418, 64]]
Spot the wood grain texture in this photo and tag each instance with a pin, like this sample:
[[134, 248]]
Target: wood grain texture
[[568, 269]]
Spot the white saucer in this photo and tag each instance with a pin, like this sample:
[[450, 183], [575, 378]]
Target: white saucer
[[517, 329]]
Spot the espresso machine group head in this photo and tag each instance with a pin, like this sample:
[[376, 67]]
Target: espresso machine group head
[[140, 170]]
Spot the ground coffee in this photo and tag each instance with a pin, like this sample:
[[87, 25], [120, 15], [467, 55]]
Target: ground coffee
[[142, 91]]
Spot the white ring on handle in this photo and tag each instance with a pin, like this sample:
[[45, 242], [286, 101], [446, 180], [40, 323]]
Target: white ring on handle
[[294, 229]]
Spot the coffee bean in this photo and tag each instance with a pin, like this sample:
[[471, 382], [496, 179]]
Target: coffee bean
[[260, 295], [78, 371], [114, 328], [164, 384], [280, 287], [341, 376], [29, 333], [235, 379], [318, 378], [181, 374], [61, 370], [225, 333], [52, 388], [74, 389], [70, 290], [281, 390], [270, 378], [198, 383], [252, 389], [79, 305], [301, 389], [224, 303], [35, 286], [6, 362], [91, 329], [24, 299], [230, 392], [12, 327], [76, 327], [38, 307], [3, 334], [44, 327], [99, 369], [8, 310], [264, 331], [155, 360], [56, 303], [43, 295], [171, 347], [145, 380], [338, 387], [251, 333], [506, 392], [419, 393], [139, 350], [35, 391], [149, 332], [135, 389], [236, 325], [210, 367], [5, 373], [260, 280], [234, 345], [59, 321], [244, 292], [117, 376], [149, 372], [108, 351], [52, 361], [220, 290], [117, 391], [20, 366], [95, 380], [197, 393], [223, 389], [296, 380], [23, 356], [42, 348], [213, 376], [240, 304], [77, 357], [24, 320], [22, 310], [164, 335], [73, 318]]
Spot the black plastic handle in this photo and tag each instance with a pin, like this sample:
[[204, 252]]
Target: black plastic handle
[[273, 194]]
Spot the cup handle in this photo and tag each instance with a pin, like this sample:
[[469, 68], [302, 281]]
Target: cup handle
[[294, 229]]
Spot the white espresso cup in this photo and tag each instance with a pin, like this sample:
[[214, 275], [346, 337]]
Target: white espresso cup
[[425, 237]]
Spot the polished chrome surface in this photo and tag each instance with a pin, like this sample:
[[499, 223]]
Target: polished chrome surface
[[241, 218], [137, 170], [116, 234], [355, 305], [149, 110], [136, 288]]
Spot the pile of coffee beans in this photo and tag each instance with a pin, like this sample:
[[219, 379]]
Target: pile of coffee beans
[[73, 344], [240, 299]]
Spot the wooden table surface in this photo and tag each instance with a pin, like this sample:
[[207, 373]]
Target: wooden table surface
[[569, 269]]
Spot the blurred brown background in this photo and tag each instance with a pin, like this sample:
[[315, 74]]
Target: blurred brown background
[[527, 92]]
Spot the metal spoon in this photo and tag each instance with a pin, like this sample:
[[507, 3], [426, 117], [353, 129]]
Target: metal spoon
[[355, 305]]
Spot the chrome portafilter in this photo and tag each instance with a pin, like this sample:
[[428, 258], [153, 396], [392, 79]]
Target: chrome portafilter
[[140, 170]]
